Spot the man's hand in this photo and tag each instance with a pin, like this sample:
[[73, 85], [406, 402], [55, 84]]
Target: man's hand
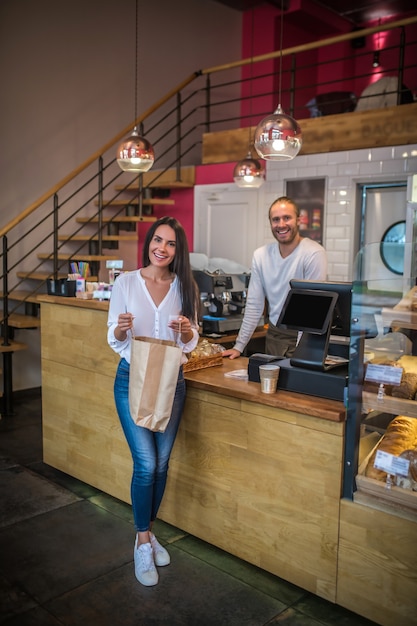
[[232, 353]]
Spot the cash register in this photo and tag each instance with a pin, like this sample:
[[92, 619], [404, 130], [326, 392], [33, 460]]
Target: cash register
[[321, 312]]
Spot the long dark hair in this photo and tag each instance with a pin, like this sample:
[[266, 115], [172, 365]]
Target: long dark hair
[[180, 265]]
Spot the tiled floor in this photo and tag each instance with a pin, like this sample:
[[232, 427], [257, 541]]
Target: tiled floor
[[66, 557]]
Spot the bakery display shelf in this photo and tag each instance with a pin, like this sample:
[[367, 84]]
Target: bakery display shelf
[[388, 404], [399, 317], [378, 488], [375, 422]]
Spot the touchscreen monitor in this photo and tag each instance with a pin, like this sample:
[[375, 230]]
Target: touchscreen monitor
[[308, 310], [342, 312]]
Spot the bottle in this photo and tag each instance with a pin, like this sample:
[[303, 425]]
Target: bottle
[[316, 223], [303, 219], [381, 392]]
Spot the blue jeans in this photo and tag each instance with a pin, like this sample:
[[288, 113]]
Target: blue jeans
[[150, 451]]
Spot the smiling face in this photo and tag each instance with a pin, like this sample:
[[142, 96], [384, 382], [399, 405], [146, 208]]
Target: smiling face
[[284, 221], [162, 246]]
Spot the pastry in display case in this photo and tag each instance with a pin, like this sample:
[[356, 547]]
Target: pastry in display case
[[387, 466]]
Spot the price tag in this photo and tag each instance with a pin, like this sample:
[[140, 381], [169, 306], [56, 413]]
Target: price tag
[[391, 464], [385, 374]]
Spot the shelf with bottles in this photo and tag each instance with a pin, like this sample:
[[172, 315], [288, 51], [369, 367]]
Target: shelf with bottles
[[311, 223]]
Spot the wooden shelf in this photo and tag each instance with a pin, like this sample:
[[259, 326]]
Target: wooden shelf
[[397, 406]]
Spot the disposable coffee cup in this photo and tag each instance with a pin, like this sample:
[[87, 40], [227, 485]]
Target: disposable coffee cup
[[269, 377]]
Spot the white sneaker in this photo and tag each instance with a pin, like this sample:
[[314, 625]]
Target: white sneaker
[[145, 570], [160, 555]]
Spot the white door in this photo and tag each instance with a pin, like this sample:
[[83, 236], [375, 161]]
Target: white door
[[383, 205], [225, 222]]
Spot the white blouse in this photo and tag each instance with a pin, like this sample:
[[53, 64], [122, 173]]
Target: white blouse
[[130, 295]]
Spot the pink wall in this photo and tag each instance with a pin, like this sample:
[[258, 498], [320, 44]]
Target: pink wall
[[303, 23]]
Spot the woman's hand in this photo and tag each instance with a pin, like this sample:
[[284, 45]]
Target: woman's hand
[[124, 324], [181, 325]]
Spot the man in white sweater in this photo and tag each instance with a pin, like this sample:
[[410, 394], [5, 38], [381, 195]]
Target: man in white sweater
[[273, 266]]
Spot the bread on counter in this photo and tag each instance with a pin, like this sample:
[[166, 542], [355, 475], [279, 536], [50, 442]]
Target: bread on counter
[[400, 435]]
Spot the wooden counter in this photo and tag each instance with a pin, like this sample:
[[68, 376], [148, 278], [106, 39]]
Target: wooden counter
[[260, 476], [257, 475]]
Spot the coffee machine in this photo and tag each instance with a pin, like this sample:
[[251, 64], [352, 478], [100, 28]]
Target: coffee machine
[[222, 300]]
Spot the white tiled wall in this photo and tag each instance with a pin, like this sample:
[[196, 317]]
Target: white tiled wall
[[343, 171]]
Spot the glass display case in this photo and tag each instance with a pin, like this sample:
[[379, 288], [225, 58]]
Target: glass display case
[[410, 254], [381, 426]]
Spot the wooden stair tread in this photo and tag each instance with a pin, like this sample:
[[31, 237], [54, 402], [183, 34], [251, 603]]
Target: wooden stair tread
[[39, 275], [135, 201], [16, 320], [77, 257], [22, 295], [166, 179], [132, 237], [14, 346], [44, 276], [123, 218]]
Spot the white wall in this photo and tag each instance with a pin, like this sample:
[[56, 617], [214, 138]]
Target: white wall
[[67, 77], [343, 172]]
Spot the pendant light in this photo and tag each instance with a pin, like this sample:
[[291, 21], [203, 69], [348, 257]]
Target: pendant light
[[135, 153], [249, 172], [278, 137]]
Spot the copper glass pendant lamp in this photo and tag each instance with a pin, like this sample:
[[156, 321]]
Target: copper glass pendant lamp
[[135, 154], [278, 136], [249, 172]]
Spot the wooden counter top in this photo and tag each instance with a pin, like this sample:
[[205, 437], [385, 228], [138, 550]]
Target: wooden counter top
[[98, 305], [214, 379]]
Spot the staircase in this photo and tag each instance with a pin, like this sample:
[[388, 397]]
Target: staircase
[[94, 234]]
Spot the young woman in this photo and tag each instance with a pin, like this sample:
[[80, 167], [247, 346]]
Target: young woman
[[159, 300]]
